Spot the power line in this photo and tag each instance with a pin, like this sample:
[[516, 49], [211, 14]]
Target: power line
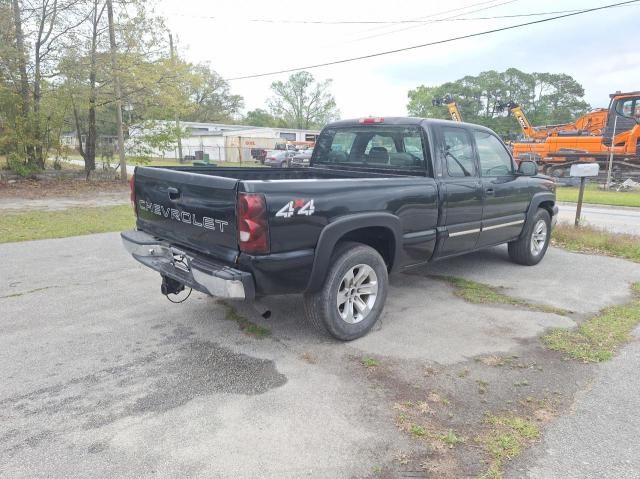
[[438, 42], [394, 22], [388, 22], [393, 31], [400, 22], [341, 22]]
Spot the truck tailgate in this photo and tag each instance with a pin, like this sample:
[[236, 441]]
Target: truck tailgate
[[190, 209]]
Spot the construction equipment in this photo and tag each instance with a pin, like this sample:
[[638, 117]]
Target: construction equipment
[[590, 124], [616, 147], [451, 106]]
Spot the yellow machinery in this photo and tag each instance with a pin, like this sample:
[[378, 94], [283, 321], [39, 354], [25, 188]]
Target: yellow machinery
[[451, 106]]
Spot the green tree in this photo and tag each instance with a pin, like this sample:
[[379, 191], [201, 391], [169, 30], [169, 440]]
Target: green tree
[[302, 102], [260, 117], [546, 98], [211, 96]]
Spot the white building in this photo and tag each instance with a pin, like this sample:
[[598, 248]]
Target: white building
[[221, 142]]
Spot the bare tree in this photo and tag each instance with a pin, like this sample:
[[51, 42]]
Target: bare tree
[[302, 102]]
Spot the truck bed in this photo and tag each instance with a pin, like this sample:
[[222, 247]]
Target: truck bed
[[195, 207], [268, 174]]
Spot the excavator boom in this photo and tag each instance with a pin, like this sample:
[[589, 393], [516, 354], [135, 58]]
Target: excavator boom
[[451, 105]]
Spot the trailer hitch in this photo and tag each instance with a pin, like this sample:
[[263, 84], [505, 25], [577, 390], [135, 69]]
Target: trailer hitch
[[171, 286]]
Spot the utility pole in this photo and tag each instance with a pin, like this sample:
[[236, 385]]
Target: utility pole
[[607, 186], [173, 61], [117, 92]]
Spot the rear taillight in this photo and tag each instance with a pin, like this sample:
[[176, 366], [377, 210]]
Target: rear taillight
[[253, 228], [132, 191]]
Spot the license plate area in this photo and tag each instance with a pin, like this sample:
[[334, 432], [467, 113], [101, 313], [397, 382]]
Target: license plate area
[[181, 260]]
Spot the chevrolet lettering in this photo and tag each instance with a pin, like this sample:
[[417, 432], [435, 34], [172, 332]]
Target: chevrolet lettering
[[183, 216]]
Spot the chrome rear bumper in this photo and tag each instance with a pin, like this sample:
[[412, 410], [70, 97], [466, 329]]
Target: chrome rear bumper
[[201, 274]]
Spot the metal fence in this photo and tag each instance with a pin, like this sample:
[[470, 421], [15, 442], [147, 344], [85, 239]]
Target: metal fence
[[215, 154]]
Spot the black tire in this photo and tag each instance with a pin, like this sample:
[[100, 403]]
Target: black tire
[[321, 307], [523, 251]]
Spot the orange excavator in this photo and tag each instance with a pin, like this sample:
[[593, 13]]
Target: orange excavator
[[592, 138], [590, 124], [451, 105]]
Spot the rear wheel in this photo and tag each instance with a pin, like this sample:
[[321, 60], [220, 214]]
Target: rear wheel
[[532, 246], [353, 294]]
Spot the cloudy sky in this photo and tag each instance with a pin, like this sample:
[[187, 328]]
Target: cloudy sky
[[240, 38]]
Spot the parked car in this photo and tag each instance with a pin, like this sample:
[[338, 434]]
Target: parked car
[[335, 230], [301, 159], [279, 158], [258, 154]]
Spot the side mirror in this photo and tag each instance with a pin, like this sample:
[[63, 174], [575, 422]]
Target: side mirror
[[528, 168]]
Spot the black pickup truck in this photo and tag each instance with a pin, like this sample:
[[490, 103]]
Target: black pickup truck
[[380, 195]]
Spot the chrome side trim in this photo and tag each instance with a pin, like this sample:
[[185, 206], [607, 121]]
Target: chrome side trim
[[502, 225], [487, 228], [462, 233]]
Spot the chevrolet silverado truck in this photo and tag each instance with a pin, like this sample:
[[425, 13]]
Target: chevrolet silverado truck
[[380, 195]]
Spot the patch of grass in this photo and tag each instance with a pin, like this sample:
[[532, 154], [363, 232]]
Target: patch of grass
[[417, 431], [35, 225], [506, 439], [247, 327], [370, 362], [598, 338], [479, 293], [450, 438], [588, 239], [595, 195]]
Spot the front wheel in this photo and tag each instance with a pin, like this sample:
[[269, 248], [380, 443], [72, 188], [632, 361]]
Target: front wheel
[[532, 246], [353, 294]]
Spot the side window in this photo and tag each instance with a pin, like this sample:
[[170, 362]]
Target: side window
[[494, 158], [458, 152]]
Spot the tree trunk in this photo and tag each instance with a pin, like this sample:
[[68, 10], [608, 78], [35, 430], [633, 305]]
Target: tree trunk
[[48, 15], [118, 93], [76, 119], [24, 79], [90, 149]]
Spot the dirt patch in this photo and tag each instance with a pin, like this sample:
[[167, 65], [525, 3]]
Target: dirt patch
[[31, 189], [471, 419]]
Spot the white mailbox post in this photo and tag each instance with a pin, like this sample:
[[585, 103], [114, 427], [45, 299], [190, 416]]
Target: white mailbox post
[[582, 171]]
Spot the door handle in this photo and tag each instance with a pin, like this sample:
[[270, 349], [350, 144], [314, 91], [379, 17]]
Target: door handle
[[490, 191], [174, 193]]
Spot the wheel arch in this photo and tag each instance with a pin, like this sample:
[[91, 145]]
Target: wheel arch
[[381, 231], [543, 200]]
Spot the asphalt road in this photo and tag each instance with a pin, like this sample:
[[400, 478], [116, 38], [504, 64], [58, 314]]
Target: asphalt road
[[101, 376], [599, 439], [616, 219]]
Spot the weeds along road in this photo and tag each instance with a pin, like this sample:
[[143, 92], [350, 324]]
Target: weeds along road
[[101, 373]]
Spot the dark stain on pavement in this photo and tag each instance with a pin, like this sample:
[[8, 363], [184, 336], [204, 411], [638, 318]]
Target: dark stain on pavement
[[153, 383]]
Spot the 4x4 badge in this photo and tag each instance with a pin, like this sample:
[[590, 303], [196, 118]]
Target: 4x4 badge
[[300, 207]]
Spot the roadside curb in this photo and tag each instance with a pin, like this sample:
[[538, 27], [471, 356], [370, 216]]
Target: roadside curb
[[597, 205]]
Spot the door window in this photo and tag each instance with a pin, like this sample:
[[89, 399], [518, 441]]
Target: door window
[[494, 158], [458, 152]]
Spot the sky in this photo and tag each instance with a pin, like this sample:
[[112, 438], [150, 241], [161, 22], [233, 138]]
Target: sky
[[598, 49]]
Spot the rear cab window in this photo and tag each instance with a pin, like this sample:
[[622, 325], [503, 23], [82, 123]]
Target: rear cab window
[[393, 147]]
